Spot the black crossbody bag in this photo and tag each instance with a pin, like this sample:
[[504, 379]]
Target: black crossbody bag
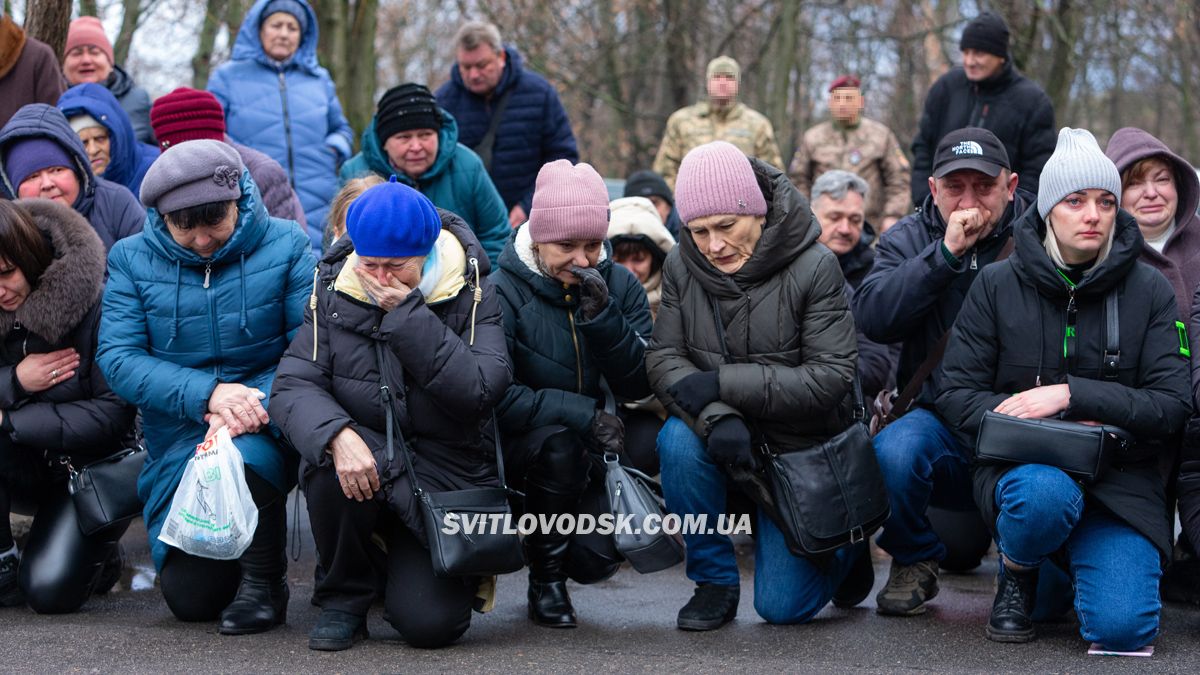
[[1080, 450], [823, 497], [105, 491], [455, 552]]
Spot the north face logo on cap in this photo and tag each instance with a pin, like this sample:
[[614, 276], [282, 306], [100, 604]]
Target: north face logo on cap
[[968, 148]]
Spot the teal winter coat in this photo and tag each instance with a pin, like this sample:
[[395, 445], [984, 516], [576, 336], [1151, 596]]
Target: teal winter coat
[[174, 325]]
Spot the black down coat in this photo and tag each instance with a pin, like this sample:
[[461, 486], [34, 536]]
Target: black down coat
[[1011, 331], [558, 358], [80, 417], [786, 323], [445, 385]]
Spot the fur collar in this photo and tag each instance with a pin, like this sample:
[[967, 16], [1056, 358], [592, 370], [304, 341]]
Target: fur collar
[[73, 282], [12, 43]]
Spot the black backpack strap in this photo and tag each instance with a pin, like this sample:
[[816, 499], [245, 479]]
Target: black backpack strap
[[1111, 366], [488, 142]]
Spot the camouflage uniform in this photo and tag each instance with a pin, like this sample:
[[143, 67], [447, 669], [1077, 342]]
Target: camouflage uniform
[[869, 150], [698, 124]]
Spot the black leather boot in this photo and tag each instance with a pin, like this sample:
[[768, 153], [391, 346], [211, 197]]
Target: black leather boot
[[262, 599], [1013, 606], [549, 602]]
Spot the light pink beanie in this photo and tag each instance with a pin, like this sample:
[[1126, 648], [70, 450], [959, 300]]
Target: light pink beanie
[[716, 179], [569, 202]]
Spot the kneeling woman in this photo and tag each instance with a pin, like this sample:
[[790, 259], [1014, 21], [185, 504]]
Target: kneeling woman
[[198, 310], [405, 294], [1111, 536], [56, 409]]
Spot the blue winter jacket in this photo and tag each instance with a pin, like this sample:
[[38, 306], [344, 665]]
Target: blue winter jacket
[[456, 182], [111, 208], [534, 130], [174, 325], [129, 159], [290, 111]]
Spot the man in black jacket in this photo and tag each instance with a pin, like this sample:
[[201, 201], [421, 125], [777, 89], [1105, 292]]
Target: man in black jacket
[[986, 91], [924, 266]]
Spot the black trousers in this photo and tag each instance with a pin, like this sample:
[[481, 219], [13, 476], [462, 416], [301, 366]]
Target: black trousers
[[426, 610], [199, 589], [641, 439], [59, 565]]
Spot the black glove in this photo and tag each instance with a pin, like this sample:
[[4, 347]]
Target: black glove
[[608, 432], [593, 292], [697, 390], [729, 444]]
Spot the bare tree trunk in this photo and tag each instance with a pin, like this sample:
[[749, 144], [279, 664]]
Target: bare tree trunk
[[358, 93], [202, 60], [680, 70], [48, 20], [1064, 29], [87, 8], [784, 63], [235, 11]]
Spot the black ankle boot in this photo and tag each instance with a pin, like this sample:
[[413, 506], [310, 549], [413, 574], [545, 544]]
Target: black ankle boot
[[549, 602], [1013, 606], [711, 607], [550, 605], [262, 599]]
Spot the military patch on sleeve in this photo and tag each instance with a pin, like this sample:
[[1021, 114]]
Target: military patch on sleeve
[[1184, 347]]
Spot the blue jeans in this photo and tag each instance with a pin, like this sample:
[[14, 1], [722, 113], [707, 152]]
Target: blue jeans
[[922, 463], [787, 589], [1114, 568]]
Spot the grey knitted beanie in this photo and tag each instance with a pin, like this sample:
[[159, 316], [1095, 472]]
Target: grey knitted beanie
[[193, 173], [1077, 164]]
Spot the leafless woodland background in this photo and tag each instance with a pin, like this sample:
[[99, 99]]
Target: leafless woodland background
[[622, 66]]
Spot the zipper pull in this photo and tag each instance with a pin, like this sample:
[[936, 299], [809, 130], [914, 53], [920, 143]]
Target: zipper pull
[[974, 260], [207, 274]]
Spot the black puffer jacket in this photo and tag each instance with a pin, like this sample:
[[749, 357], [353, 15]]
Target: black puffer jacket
[[876, 361], [785, 322], [1011, 332], [79, 417], [558, 358], [445, 386], [1188, 487], [912, 295], [1008, 104]]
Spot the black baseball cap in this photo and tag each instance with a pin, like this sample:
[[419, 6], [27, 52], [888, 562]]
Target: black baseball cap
[[970, 148]]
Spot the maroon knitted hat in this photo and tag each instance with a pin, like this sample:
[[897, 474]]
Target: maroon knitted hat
[[187, 115]]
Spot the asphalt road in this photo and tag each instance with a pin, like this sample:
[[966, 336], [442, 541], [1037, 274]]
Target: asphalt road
[[627, 624]]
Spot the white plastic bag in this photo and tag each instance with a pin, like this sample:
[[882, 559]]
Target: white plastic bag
[[212, 514]]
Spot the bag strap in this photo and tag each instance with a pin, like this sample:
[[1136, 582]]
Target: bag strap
[[909, 394], [488, 142], [395, 435], [1111, 366]]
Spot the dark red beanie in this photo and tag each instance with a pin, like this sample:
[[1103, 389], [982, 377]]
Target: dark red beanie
[[187, 115]]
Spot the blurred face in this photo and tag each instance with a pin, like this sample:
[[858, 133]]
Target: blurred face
[[280, 36], [1081, 223], [57, 182], [1152, 199], [663, 206], [205, 240], [557, 258], [841, 221], [980, 65], [412, 152], [406, 270], [14, 288], [846, 104], [481, 68], [970, 189], [86, 63], [95, 141], [722, 88], [641, 263], [727, 241]]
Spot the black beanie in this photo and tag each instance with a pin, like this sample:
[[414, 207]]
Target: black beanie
[[406, 107], [645, 183], [986, 33]]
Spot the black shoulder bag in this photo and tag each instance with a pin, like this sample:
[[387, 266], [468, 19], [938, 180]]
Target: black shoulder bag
[[488, 142], [465, 529], [105, 491], [823, 497], [1080, 450]]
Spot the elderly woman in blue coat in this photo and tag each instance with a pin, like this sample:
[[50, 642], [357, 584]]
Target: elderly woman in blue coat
[[198, 310], [107, 135], [280, 101]]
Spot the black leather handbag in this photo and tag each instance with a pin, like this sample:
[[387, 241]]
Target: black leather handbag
[[1081, 450], [105, 491], [465, 529], [823, 497]]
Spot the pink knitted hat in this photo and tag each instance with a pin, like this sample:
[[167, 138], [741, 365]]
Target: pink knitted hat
[[87, 30], [569, 202], [716, 179]]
